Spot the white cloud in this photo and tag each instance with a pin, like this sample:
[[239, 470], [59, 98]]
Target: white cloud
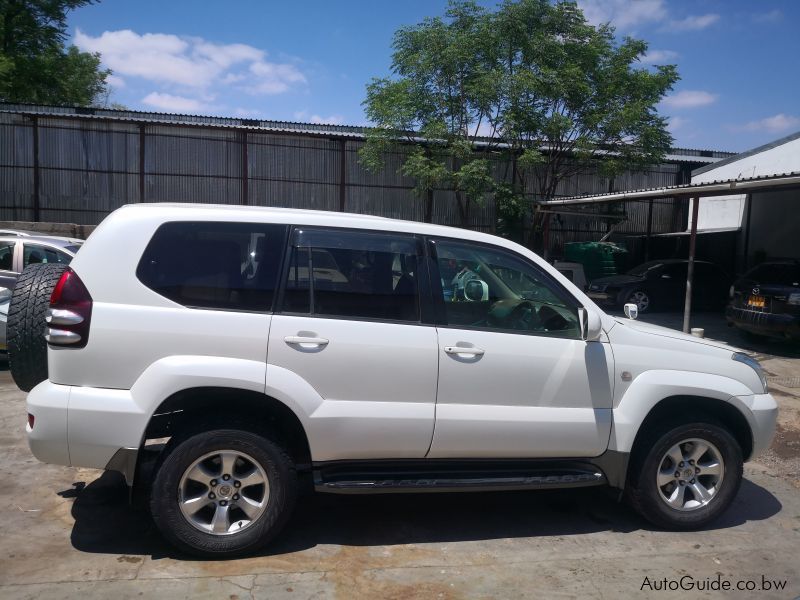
[[623, 14], [690, 99], [659, 57], [773, 16], [774, 124], [303, 115], [170, 103], [190, 62], [115, 81], [676, 123], [691, 23]]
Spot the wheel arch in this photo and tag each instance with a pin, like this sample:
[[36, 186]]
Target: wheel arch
[[193, 408], [702, 409]]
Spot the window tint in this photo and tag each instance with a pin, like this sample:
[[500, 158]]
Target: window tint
[[215, 265], [7, 256], [33, 254], [353, 274], [776, 273], [493, 289]]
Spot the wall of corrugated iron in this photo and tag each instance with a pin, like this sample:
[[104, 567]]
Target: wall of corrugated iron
[[89, 167]]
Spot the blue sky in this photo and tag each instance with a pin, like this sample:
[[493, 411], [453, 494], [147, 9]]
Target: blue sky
[[309, 60]]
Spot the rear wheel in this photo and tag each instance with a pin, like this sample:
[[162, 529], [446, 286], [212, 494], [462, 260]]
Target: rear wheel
[[27, 348], [223, 493], [685, 476]]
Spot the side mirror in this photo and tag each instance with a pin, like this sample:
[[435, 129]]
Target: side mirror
[[631, 310], [591, 325], [476, 290]]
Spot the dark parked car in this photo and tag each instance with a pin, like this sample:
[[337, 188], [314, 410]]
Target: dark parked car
[[766, 300], [661, 285]]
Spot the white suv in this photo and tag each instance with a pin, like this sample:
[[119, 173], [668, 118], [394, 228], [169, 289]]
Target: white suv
[[215, 355]]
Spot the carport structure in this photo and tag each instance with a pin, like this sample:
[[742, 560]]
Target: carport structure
[[695, 192]]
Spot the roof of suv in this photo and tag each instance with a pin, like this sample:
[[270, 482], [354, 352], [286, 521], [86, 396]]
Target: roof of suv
[[296, 216]]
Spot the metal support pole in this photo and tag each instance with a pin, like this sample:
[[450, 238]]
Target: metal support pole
[[687, 307], [746, 257], [36, 192], [342, 174]]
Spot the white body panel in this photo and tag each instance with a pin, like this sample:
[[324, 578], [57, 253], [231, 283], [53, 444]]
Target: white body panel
[[377, 383], [526, 396]]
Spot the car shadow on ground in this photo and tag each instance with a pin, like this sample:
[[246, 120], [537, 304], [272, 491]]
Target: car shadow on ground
[[105, 522]]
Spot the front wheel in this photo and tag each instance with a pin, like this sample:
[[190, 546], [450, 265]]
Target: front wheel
[[223, 493], [686, 476]]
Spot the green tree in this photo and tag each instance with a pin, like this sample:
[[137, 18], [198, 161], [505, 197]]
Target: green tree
[[576, 100], [555, 95], [442, 96], [35, 64]]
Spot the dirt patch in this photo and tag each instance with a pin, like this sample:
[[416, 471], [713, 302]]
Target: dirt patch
[[786, 444]]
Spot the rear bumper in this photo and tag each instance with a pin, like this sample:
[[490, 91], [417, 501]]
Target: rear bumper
[[84, 427], [775, 324]]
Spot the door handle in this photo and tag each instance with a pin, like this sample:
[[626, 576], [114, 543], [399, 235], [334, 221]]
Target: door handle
[[471, 351], [297, 339]]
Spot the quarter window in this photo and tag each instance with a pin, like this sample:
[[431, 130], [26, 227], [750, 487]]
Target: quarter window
[[230, 266], [488, 288], [353, 275]]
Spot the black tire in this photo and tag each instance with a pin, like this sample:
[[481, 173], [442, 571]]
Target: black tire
[[27, 349], [644, 493], [182, 453]]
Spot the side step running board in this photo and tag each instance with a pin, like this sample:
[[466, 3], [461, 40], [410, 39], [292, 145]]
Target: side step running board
[[346, 481]]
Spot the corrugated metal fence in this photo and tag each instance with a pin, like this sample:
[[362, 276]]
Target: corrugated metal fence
[[77, 168]]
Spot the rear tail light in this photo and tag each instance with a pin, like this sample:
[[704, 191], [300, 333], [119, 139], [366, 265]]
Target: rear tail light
[[70, 312], [31, 420]]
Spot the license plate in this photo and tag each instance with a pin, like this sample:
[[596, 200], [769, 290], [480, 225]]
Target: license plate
[[755, 301]]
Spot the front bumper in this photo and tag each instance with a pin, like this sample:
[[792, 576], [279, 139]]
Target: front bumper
[[762, 417], [84, 427], [759, 322]]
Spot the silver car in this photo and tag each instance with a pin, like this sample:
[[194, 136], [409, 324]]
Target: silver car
[[20, 249]]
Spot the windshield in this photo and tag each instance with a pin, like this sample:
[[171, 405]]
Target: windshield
[[644, 268], [779, 273]]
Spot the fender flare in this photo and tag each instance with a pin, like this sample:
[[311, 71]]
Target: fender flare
[[652, 387]]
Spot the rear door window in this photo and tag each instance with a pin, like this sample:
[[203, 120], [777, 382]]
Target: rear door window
[[34, 254], [231, 266], [353, 274], [7, 256]]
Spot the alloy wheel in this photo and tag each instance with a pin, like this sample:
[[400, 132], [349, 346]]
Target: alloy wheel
[[690, 474]]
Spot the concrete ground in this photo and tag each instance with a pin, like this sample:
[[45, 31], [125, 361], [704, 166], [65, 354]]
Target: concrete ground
[[69, 532]]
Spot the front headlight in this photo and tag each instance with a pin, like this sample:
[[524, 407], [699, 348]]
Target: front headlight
[[753, 364]]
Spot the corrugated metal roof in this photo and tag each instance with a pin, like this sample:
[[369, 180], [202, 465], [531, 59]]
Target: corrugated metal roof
[[688, 155], [717, 188]]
